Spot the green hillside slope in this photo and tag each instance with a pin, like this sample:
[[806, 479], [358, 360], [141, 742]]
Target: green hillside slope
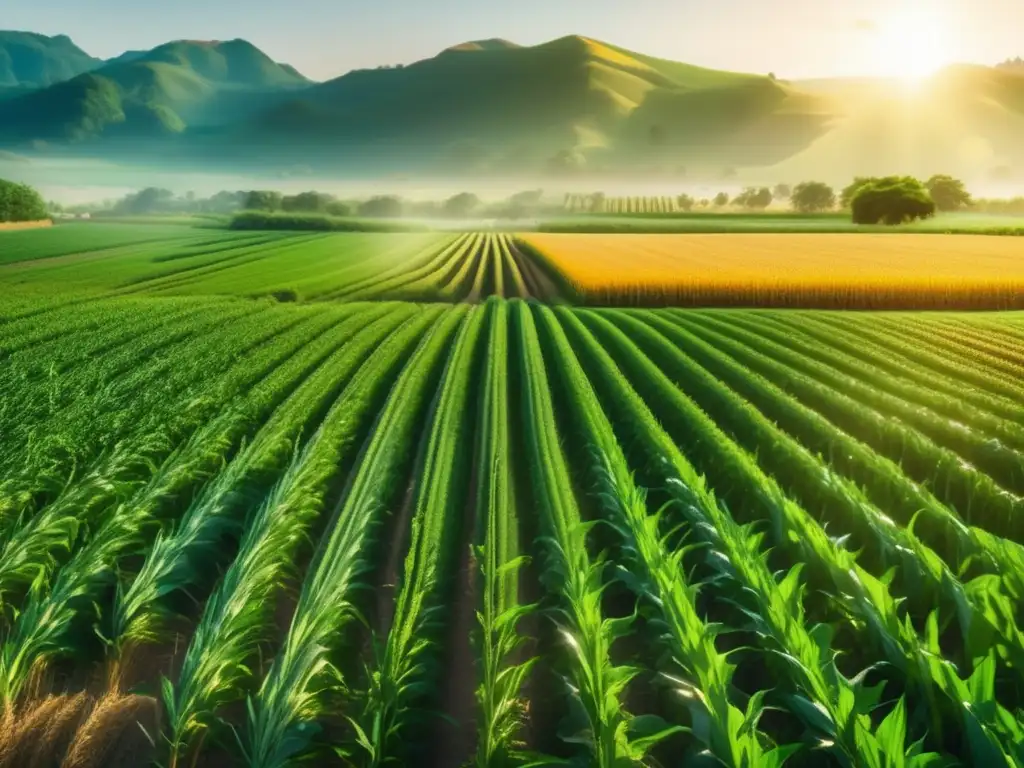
[[494, 106], [157, 93], [29, 60]]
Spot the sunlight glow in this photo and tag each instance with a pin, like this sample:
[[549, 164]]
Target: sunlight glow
[[912, 42]]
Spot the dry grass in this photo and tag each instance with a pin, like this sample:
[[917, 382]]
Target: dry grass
[[14, 225], [79, 731], [835, 271]]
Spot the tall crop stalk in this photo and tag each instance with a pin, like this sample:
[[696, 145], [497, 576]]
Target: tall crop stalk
[[658, 575], [501, 681], [983, 607], [401, 673], [42, 631], [882, 479], [614, 738], [866, 598], [216, 666], [282, 716], [173, 563]]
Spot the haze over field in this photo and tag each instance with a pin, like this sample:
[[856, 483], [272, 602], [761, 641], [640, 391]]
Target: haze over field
[[662, 94]]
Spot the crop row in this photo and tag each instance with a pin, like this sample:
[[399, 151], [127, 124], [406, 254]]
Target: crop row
[[504, 533]]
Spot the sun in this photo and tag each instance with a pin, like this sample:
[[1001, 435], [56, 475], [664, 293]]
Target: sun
[[912, 42]]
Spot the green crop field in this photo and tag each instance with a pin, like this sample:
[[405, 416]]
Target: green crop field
[[366, 499]]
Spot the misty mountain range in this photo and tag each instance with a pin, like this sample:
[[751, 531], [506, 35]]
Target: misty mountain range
[[570, 106]]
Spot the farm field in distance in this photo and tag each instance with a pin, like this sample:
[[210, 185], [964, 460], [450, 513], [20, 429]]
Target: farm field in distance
[[419, 499], [850, 271]]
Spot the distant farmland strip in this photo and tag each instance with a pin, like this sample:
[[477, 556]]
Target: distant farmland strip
[[843, 271]]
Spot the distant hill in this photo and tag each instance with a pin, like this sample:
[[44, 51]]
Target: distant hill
[[494, 106], [29, 60], [153, 94], [574, 105]]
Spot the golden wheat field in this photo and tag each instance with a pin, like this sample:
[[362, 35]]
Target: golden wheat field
[[867, 271]]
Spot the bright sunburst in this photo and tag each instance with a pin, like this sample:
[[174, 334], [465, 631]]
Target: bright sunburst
[[912, 41]]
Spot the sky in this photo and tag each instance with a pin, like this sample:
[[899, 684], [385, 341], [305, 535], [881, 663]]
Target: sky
[[792, 38]]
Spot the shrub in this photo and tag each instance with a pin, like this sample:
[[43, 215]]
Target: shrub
[[892, 200], [20, 202]]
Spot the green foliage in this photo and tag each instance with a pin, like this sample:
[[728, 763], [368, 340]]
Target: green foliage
[[258, 200], [685, 202], [721, 200], [20, 202], [892, 200], [851, 190], [755, 198], [382, 207], [948, 193], [813, 197], [462, 205]]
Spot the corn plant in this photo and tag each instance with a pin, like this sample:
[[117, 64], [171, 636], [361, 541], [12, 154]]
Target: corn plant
[[217, 663], [400, 671], [499, 694], [597, 719], [730, 734], [866, 598], [282, 715]]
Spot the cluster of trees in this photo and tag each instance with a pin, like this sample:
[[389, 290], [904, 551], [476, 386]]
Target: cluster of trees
[[20, 202], [463, 205], [304, 202]]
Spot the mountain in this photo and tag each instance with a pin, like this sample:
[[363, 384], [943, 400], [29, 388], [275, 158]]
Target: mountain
[[570, 106], [29, 61], [494, 106], [153, 94]]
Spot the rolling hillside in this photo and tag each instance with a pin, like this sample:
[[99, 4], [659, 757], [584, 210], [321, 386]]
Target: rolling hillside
[[494, 106], [153, 94], [29, 61], [571, 105]]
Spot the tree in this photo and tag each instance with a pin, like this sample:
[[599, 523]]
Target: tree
[[851, 189], [948, 193], [685, 202], [338, 208], [306, 202], [148, 200], [382, 206], [813, 197], [892, 200], [782, 192], [462, 205], [757, 198], [259, 200], [596, 202], [20, 202], [721, 200]]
